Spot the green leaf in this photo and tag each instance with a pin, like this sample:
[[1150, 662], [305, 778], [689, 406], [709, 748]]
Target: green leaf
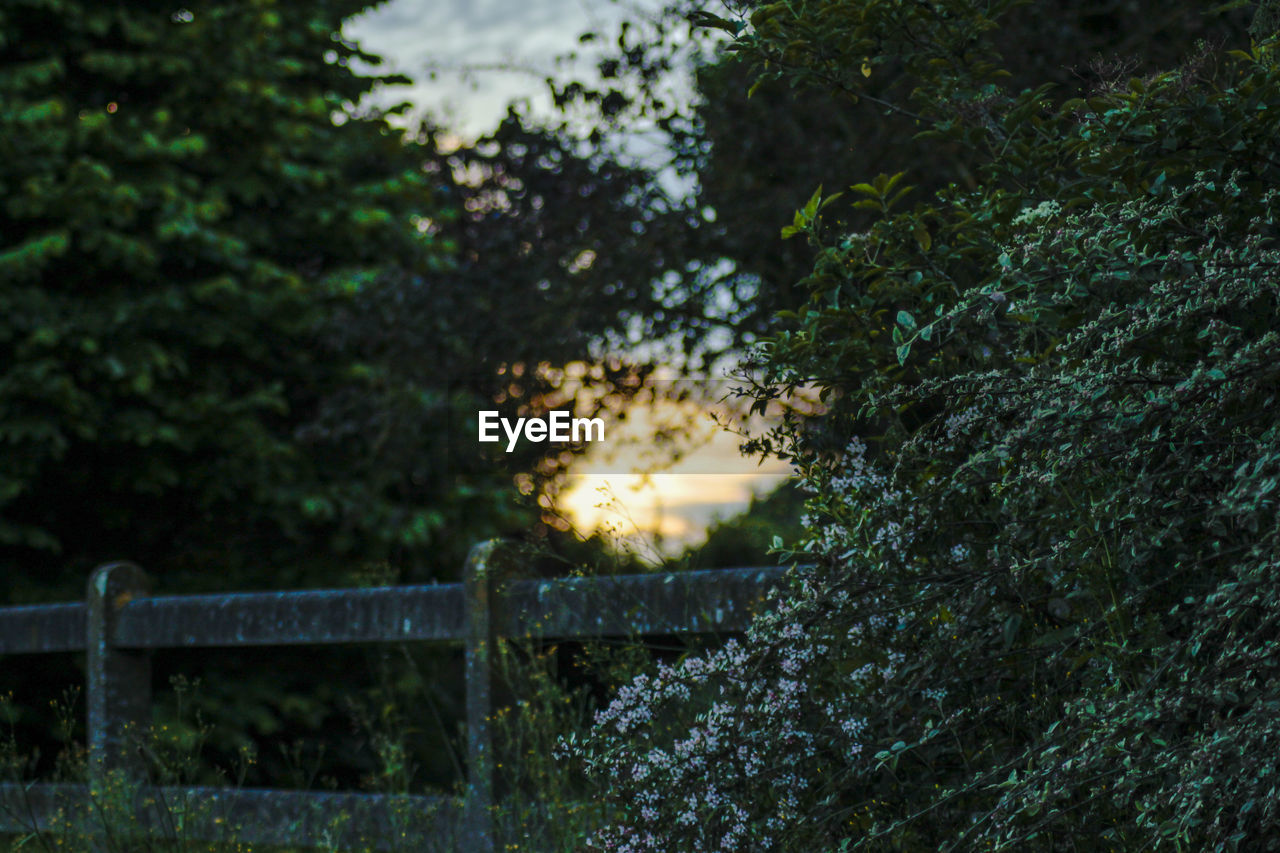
[[703, 18], [921, 232], [811, 206]]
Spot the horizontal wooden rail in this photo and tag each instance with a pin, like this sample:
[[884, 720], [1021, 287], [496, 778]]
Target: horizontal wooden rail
[[382, 615], [663, 603], [704, 601], [42, 628], [229, 815]]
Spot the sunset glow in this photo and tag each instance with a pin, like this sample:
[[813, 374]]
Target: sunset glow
[[629, 489]]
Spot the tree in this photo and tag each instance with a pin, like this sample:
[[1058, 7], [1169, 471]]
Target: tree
[[182, 212], [749, 145], [246, 325], [1039, 567]]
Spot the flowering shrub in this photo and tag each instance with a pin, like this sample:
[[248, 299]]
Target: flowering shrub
[[1040, 585]]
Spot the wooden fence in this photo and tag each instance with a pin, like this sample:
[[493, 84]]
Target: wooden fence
[[119, 625]]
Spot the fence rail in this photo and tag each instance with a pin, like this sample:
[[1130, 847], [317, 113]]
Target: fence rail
[[119, 624], [43, 628], [238, 815]]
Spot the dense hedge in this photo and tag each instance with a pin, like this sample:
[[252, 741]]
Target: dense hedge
[[1041, 608]]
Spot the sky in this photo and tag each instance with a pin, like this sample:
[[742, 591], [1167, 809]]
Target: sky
[[675, 500], [509, 48], [485, 54]]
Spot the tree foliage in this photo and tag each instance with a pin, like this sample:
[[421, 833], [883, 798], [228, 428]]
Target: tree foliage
[[246, 324], [746, 145], [181, 213], [1035, 604]]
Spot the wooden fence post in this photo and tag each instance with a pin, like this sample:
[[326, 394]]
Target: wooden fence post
[[479, 674], [119, 682]]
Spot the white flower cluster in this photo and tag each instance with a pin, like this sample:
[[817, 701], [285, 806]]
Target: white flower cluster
[[857, 484], [855, 474], [738, 776], [1043, 210]]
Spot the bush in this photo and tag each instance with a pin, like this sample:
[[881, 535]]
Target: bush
[[1038, 604]]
